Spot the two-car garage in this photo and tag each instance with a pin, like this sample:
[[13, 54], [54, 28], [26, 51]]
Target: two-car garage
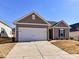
[[32, 34]]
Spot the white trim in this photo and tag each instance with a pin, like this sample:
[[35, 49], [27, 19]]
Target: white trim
[[60, 36], [5, 23], [53, 33], [33, 24], [48, 33], [30, 14], [59, 27], [63, 22]]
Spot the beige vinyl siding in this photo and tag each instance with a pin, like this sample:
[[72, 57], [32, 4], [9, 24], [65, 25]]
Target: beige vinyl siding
[[74, 35]]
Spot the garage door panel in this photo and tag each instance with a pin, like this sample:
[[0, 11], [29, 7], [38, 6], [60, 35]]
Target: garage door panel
[[27, 34]]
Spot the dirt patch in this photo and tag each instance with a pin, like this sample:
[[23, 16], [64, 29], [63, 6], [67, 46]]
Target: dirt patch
[[6, 45], [5, 40], [69, 46]]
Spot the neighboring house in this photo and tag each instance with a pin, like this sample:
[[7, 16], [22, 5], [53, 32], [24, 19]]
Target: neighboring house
[[74, 31], [34, 27], [5, 30]]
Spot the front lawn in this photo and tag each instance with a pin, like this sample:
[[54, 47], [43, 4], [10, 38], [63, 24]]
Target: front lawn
[[6, 45], [69, 46]]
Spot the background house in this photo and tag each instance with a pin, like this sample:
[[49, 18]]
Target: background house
[[5, 30], [74, 31]]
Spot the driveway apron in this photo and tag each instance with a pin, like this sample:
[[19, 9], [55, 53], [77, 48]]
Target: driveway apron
[[37, 50]]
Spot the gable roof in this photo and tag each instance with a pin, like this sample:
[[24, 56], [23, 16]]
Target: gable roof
[[74, 27], [30, 14], [5, 23], [60, 22], [52, 22]]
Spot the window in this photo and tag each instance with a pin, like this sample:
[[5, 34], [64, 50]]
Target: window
[[2, 30], [33, 17], [61, 33]]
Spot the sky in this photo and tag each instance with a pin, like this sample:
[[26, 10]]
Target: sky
[[51, 10]]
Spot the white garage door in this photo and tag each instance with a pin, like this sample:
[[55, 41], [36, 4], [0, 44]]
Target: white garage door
[[28, 34]]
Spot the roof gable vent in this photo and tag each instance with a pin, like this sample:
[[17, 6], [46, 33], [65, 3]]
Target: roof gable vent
[[33, 17]]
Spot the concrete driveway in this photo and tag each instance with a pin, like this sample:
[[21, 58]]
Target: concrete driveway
[[37, 50]]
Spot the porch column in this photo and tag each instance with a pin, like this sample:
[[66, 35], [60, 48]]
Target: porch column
[[53, 33]]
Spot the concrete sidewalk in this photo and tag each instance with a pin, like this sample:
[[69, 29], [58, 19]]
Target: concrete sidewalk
[[37, 50]]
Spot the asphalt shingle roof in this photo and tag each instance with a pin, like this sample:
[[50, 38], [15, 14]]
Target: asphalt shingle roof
[[52, 23], [74, 27]]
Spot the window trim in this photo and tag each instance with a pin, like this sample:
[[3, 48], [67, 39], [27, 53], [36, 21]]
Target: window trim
[[61, 33]]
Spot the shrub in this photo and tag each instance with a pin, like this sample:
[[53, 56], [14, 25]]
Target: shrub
[[71, 38]]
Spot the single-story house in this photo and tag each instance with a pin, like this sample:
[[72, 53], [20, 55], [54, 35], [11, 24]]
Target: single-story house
[[34, 27], [5, 29], [74, 31]]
